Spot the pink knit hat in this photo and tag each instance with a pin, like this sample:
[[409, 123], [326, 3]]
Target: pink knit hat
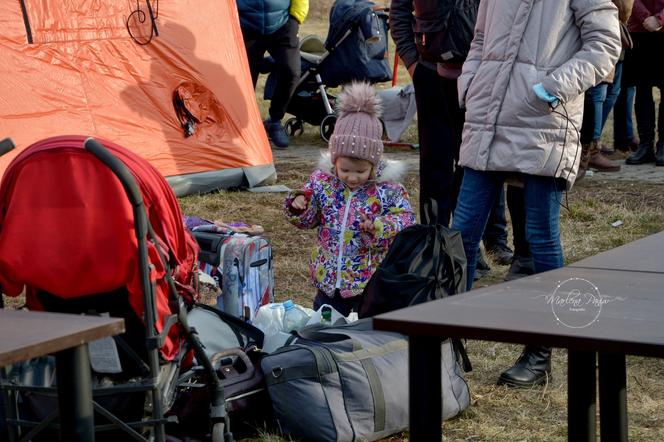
[[358, 131]]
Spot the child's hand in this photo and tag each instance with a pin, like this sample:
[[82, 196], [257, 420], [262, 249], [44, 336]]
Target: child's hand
[[366, 224], [300, 203]]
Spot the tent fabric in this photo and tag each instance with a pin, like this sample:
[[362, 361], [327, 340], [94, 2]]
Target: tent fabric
[[80, 239], [94, 68]]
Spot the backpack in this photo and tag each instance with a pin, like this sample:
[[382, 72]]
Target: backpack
[[444, 29], [242, 265], [425, 262]]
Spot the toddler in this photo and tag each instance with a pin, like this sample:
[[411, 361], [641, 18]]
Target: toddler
[[354, 200]]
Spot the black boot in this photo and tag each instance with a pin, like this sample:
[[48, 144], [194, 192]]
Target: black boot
[[531, 369], [659, 155], [644, 154]]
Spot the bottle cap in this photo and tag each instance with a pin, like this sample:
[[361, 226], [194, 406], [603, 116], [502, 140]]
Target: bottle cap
[[288, 305]]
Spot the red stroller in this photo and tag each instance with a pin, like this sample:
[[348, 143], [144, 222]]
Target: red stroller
[[91, 228]]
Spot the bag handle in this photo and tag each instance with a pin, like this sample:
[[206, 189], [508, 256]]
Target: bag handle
[[430, 212], [239, 353], [315, 332]]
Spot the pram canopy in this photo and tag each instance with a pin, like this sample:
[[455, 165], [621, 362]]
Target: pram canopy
[[67, 228], [363, 54]]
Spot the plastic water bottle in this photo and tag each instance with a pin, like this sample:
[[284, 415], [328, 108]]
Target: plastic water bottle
[[294, 317]]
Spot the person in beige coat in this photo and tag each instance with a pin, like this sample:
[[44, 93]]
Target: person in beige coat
[[522, 86]]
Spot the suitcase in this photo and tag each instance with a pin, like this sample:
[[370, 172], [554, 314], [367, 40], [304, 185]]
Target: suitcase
[[242, 266]]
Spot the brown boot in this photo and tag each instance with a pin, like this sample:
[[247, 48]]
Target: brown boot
[[598, 161], [583, 164]]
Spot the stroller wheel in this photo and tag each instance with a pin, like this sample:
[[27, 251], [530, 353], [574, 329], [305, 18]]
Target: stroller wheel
[[294, 127], [327, 127]]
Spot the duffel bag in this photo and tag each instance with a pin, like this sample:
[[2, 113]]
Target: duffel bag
[[350, 382]]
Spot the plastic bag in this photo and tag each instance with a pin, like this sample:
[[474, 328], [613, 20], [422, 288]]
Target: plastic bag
[[270, 319], [316, 316]]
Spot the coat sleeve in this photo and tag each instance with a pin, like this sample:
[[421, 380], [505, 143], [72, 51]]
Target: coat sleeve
[[601, 45], [641, 12], [401, 28], [309, 218], [396, 215], [299, 10], [474, 58]]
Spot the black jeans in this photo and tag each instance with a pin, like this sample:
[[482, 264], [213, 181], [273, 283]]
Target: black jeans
[[439, 124], [517, 207], [651, 75], [495, 233], [283, 46]]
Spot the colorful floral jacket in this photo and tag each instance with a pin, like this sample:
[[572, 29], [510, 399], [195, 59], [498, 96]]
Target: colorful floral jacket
[[345, 257]]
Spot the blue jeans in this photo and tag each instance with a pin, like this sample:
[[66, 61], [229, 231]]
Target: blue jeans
[[612, 93], [542, 196], [623, 117], [593, 105]]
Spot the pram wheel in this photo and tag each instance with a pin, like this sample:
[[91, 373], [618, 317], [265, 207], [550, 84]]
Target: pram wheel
[[327, 127], [294, 127]]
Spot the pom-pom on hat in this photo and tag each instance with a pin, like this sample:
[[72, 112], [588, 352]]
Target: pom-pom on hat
[[358, 131]]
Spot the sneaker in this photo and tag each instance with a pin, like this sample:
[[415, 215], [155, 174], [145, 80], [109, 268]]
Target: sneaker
[[500, 253], [276, 133]]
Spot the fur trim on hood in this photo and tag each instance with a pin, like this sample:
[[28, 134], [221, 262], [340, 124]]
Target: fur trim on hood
[[387, 170]]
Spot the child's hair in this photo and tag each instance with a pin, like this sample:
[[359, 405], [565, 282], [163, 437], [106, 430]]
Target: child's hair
[[358, 131]]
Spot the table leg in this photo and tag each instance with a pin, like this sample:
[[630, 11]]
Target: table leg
[[581, 396], [612, 397], [426, 400], [75, 394]]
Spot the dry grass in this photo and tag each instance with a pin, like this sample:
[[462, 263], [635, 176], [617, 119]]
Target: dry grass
[[496, 413]]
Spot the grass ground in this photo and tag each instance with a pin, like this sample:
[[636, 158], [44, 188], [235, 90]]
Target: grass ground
[[496, 413]]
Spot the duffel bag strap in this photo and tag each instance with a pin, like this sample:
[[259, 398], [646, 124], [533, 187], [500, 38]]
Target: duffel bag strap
[[461, 353]]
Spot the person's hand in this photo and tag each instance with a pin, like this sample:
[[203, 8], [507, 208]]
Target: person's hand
[[411, 69], [300, 203], [652, 24], [366, 224], [543, 95]]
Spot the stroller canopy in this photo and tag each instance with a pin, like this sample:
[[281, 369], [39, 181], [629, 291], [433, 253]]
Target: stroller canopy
[[67, 228], [363, 54]]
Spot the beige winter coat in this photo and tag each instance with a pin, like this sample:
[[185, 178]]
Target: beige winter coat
[[568, 46]]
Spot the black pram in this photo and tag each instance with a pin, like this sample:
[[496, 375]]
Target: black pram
[[355, 49]]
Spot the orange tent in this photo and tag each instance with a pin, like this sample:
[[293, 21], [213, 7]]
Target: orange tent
[[168, 80]]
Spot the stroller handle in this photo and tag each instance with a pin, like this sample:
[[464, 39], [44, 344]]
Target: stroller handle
[[118, 168], [6, 146]]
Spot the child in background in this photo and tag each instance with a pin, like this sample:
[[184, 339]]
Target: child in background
[[354, 200]]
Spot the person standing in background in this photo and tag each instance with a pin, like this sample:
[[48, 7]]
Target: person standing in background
[[522, 86], [432, 38], [647, 31], [417, 27], [599, 100], [272, 26]]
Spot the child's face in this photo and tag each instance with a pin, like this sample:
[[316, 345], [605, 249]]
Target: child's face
[[352, 171]]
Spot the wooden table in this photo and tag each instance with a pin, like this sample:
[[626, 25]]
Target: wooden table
[[28, 334], [618, 311]]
